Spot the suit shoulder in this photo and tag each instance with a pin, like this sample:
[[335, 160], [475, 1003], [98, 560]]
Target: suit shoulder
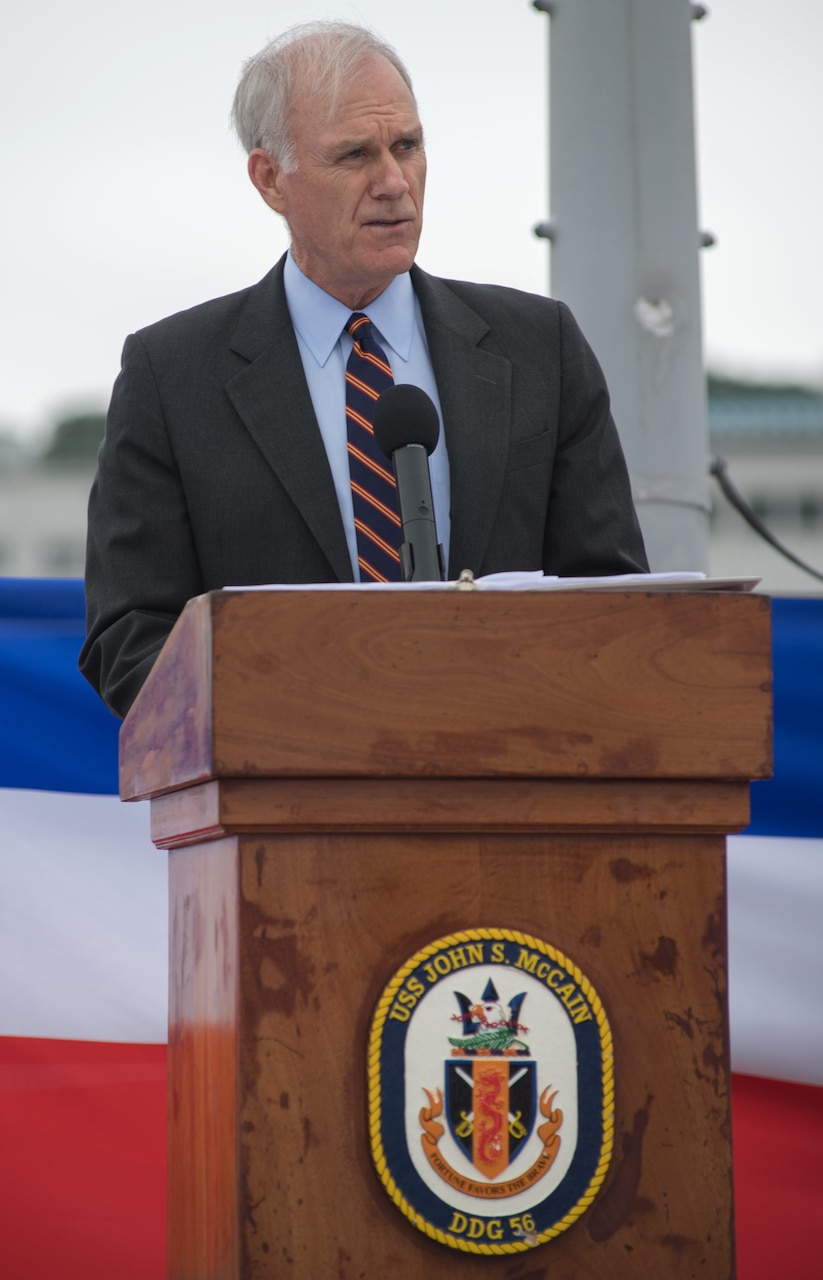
[[501, 299], [206, 320], [202, 315], [530, 322], [500, 295], [503, 308]]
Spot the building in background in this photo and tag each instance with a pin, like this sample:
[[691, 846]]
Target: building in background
[[770, 436], [43, 499], [772, 439]]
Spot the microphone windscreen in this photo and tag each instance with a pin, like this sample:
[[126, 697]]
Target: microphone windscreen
[[405, 415]]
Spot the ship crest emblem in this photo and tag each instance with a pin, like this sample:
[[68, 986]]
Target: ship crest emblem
[[502, 1144]]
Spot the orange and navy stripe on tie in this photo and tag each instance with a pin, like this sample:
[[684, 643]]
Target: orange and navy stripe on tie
[[362, 386], [378, 541], [374, 493], [391, 516], [376, 467]]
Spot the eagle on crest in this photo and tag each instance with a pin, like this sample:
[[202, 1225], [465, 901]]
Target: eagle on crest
[[486, 1028]]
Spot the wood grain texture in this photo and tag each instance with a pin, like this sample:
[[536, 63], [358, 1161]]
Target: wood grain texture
[[325, 921], [242, 805], [203, 1229], [473, 684], [167, 733]]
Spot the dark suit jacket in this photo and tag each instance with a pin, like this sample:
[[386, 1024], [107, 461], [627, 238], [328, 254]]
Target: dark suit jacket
[[213, 471]]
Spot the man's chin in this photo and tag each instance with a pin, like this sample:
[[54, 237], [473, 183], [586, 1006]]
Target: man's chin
[[393, 258]]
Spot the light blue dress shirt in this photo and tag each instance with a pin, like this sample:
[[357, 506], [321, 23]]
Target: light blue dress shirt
[[319, 323]]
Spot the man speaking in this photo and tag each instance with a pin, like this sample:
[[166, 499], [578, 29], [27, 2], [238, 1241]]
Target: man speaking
[[238, 444]]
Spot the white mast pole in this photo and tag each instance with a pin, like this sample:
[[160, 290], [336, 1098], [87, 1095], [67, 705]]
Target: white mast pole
[[625, 244]]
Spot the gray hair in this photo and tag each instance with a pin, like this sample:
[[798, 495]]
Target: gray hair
[[322, 55]]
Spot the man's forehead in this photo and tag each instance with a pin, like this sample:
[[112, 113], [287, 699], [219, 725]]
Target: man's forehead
[[362, 132], [374, 89]]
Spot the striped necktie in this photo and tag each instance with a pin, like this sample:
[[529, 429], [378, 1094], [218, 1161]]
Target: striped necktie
[[374, 494]]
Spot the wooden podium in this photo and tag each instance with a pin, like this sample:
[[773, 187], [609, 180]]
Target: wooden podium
[[341, 778]]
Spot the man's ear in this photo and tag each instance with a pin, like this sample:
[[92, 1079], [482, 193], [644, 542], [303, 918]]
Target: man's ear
[[266, 174]]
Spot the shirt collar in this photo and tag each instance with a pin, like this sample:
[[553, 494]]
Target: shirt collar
[[320, 319]]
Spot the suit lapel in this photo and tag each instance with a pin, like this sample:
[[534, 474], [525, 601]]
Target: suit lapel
[[272, 398], [474, 386]]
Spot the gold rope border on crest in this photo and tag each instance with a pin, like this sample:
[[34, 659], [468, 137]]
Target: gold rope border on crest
[[375, 1093]]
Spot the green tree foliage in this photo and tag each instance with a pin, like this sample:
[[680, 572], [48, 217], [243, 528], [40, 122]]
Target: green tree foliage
[[720, 385], [76, 439]]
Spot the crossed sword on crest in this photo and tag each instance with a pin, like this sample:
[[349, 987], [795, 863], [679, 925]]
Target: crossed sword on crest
[[516, 1129]]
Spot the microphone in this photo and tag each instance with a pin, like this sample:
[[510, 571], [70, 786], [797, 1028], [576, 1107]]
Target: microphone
[[407, 428]]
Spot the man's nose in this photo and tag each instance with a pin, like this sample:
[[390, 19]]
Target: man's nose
[[388, 178]]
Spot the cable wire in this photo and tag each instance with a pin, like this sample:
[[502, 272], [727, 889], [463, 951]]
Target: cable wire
[[719, 468]]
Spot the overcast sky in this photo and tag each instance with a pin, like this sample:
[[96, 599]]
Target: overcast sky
[[124, 193]]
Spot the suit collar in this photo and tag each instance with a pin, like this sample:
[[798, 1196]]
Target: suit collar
[[319, 319], [474, 385]]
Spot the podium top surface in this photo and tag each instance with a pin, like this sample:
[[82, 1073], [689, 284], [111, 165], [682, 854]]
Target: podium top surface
[[260, 684]]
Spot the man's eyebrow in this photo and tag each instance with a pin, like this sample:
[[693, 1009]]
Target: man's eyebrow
[[354, 144]]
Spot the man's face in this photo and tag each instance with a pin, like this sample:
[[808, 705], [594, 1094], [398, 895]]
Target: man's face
[[354, 205]]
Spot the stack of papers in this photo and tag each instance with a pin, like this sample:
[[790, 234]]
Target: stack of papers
[[685, 580]]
